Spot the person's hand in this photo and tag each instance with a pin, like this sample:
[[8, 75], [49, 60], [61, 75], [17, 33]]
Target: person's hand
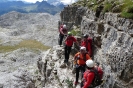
[[65, 34]]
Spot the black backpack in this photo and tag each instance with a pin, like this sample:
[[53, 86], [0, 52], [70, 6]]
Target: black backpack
[[97, 80]]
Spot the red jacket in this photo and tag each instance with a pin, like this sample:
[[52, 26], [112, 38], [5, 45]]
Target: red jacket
[[63, 31], [70, 40], [88, 44], [89, 76]]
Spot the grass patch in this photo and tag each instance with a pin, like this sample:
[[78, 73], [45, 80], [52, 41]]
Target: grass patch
[[107, 7], [127, 15], [127, 9], [124, 7], [30, 44]]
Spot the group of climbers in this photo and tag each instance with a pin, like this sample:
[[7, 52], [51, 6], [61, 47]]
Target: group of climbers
[[82, 60]]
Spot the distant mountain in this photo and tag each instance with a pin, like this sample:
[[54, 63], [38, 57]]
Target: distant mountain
[[38, 7], [53, 2]]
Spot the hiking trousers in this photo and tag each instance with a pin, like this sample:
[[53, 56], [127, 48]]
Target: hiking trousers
[[79, 68], [61, 36], [67, 53]]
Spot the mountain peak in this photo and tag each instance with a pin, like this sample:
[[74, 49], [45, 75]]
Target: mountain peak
[[23, 7], [53, 2]]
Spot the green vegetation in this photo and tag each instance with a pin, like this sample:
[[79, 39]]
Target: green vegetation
[[69, 83], [124, 7], [76, 32], [127, 9], [30, 44], [107, 7]]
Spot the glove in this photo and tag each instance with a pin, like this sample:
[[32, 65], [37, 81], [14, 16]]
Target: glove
[[76, 66], [65, 34]]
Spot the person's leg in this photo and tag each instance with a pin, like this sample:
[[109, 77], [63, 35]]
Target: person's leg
[[66, 55], [61, 39], [77, 74], [82, 70]]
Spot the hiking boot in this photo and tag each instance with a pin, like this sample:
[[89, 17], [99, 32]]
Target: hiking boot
[[76, 82], [63, 65], [74, 70], [68, 63]]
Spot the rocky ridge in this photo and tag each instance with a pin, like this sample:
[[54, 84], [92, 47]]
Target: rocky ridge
[[18, 68], [113, 43]]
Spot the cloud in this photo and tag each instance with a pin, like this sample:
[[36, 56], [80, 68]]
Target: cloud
[[33, 1], [67, 1]]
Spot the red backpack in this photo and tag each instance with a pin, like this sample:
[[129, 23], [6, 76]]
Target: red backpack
[[96, 81]]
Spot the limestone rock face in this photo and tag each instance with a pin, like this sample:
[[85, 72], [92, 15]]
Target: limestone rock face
[[53, 76], [113, 45], [18, 68]]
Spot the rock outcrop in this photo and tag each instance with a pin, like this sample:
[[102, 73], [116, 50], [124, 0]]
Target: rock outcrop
[[113, 41], [53, 76]]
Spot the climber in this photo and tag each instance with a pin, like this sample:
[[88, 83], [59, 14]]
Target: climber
[[68, 44], [79, 61], [70, 39], [93, 76], [63, 32], [87, 42]]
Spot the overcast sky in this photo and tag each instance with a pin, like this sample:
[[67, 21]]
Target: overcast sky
[[65, 1]]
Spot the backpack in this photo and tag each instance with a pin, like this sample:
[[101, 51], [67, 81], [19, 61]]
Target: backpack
[[96, 81]]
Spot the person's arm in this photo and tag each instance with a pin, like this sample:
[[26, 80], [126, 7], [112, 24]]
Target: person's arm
[[89, 80], [66, 38], [82, 43], [88, 57], [75, 40], [61, 31], [75, 58]]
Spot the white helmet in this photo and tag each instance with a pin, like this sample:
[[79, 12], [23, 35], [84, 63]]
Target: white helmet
[[90, 63], [83, 48], [64, 26]]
